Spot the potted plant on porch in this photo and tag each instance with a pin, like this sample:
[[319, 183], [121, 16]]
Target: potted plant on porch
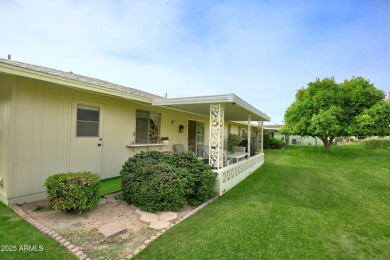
[[165, 140]]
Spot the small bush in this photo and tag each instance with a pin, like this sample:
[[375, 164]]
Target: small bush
[[74, 192], [276, 143], [201, 179], [376, 143], [156, 187], [154, 181], [266, 139]]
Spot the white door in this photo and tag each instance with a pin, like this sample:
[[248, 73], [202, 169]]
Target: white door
[[86, 141]]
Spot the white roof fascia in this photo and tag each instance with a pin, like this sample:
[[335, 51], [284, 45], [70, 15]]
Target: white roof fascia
[[228, 98], [14, 70], [194, 100]]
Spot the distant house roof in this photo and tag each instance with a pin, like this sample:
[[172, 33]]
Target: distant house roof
[[76, 77], [272, 127]]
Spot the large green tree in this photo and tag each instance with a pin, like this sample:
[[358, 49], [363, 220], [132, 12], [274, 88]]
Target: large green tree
[[327, 109]]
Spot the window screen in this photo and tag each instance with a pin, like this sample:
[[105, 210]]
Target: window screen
[[147, 127], [87, 121]]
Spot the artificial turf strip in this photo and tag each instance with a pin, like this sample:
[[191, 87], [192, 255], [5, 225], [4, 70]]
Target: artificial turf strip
[[301, 204], [20, 240], [112, 185]]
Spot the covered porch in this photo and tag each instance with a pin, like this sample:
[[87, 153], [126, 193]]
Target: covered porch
[[219, 109]]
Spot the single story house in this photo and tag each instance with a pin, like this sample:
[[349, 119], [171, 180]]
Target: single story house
[[53, 121], [274, 132]]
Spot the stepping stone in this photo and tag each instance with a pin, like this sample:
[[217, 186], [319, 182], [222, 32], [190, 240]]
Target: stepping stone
[[168, 216], [138, 211], [112, 229], [159, 224], [148, 217]]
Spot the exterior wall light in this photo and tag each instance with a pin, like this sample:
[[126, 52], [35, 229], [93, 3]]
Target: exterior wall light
[[181, 129]]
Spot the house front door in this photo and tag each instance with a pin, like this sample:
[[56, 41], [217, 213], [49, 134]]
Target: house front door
[[86, 141]]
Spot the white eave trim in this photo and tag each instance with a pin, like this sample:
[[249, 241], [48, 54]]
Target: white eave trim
[[228, 98]]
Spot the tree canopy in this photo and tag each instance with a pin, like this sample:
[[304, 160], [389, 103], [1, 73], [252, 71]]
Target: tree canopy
[[327, 109]]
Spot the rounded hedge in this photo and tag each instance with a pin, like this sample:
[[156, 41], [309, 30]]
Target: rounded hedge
[[275, 143], [154, 181], [74, 192], [376, 143]]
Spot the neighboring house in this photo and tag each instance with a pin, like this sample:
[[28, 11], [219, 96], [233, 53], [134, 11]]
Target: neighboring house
[[53, 121], [274, 132]]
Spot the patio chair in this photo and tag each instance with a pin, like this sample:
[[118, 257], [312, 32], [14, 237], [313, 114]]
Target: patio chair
[[226, 161], [178, 148], [239, 149]]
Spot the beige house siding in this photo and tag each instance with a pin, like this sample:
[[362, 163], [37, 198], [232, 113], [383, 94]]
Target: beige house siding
[[6, 134], [43, 133]]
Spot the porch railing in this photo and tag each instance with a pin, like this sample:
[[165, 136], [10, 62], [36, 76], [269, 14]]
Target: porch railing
[[231, 175]]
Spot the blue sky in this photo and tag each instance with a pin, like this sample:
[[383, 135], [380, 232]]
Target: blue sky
[[263, 51]]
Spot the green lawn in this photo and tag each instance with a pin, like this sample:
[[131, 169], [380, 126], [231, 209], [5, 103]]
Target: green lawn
[[301, 204], [19, 240]]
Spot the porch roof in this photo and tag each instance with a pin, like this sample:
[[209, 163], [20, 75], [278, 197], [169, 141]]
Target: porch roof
[[236, 109]]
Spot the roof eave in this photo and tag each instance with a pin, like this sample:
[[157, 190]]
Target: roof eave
[[24, 72], [228, 98]]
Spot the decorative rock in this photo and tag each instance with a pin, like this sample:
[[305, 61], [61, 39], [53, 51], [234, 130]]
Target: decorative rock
[[79, 253], [70, 247], [66, 244], [111, 197], [83, 257], [102, 201], [75, 250], [112, 229]]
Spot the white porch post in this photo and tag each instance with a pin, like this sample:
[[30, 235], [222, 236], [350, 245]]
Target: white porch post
[[217, 118], [249, 135], [262, 136]]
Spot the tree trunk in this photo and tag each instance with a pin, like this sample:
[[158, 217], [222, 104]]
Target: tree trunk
[[327, 146], [326, 142]]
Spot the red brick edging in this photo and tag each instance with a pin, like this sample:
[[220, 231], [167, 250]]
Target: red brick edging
[[77, 252], [65, 243]]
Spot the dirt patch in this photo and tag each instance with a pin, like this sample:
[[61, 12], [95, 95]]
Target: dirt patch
[[82, 230]]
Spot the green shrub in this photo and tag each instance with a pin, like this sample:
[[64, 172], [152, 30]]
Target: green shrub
[[266, 141], [154, 181], [376, 143], [201, 179], [74, 192], [275, 143], [233, 140], [156, 187]]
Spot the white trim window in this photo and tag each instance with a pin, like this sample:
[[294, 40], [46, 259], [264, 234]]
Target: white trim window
[[88, 120], [147, 129]]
